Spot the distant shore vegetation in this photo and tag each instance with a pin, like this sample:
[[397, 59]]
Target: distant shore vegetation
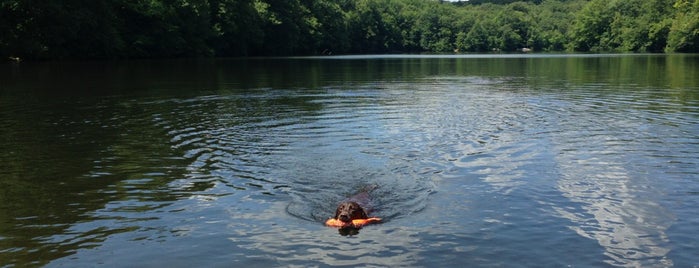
[[82, 29]]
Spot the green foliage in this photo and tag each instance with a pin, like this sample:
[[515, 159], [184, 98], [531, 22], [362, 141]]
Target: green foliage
[[684, 32], [590, 27], [236, 26], [627, 25], [553, 24], [52, 29], [189, 28]]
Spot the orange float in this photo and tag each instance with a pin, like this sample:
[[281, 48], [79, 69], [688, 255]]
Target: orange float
[[358, 223]]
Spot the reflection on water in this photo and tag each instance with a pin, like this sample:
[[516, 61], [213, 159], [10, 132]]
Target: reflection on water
[[586, 160], [618, 199]]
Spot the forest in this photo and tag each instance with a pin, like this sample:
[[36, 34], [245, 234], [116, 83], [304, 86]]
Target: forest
[[108, 29]]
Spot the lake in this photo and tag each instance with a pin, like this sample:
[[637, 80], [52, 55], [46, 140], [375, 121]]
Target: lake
[[504, 160]]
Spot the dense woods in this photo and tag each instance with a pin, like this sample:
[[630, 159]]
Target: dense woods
[[63, 29]]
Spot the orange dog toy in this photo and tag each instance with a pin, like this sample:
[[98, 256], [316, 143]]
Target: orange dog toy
[[355, 223]]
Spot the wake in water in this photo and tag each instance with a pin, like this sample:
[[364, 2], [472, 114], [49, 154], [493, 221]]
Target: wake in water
[[318, 191]]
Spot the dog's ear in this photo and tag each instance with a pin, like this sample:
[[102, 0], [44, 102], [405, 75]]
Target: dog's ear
[[337, 211], [359, 213], [364, 215]]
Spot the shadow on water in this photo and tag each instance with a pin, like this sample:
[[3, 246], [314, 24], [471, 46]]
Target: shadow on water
[[62, 162]]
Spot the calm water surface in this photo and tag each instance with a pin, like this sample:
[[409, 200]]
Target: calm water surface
[[495, 161]]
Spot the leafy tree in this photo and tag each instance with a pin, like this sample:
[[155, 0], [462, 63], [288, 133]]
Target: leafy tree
[[479, 38], [187, 28], [516, 27], [684, 32], [330, 30], [58, 29], [552, 22], [656, 17], [622, 25], [591, 27], [286, 28], [236, 26], [373, 27], [436, 26]]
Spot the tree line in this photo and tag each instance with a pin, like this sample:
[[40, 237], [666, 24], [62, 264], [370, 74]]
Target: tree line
[[63, 29]]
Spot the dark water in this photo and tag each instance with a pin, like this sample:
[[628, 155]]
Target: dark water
[[496, 161]]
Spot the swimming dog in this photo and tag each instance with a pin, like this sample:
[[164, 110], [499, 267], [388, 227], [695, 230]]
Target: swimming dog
[[354, 211]]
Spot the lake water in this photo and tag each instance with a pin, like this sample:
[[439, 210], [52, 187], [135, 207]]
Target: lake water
[[480, 161]]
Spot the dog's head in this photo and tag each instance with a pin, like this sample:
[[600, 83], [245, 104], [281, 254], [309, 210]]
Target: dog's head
[[348, 211]]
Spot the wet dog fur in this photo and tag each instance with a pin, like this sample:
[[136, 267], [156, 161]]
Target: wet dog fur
[[355, 207], [350, 210]]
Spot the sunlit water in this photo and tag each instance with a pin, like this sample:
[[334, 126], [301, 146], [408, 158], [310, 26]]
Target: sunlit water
[[512, 161]]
